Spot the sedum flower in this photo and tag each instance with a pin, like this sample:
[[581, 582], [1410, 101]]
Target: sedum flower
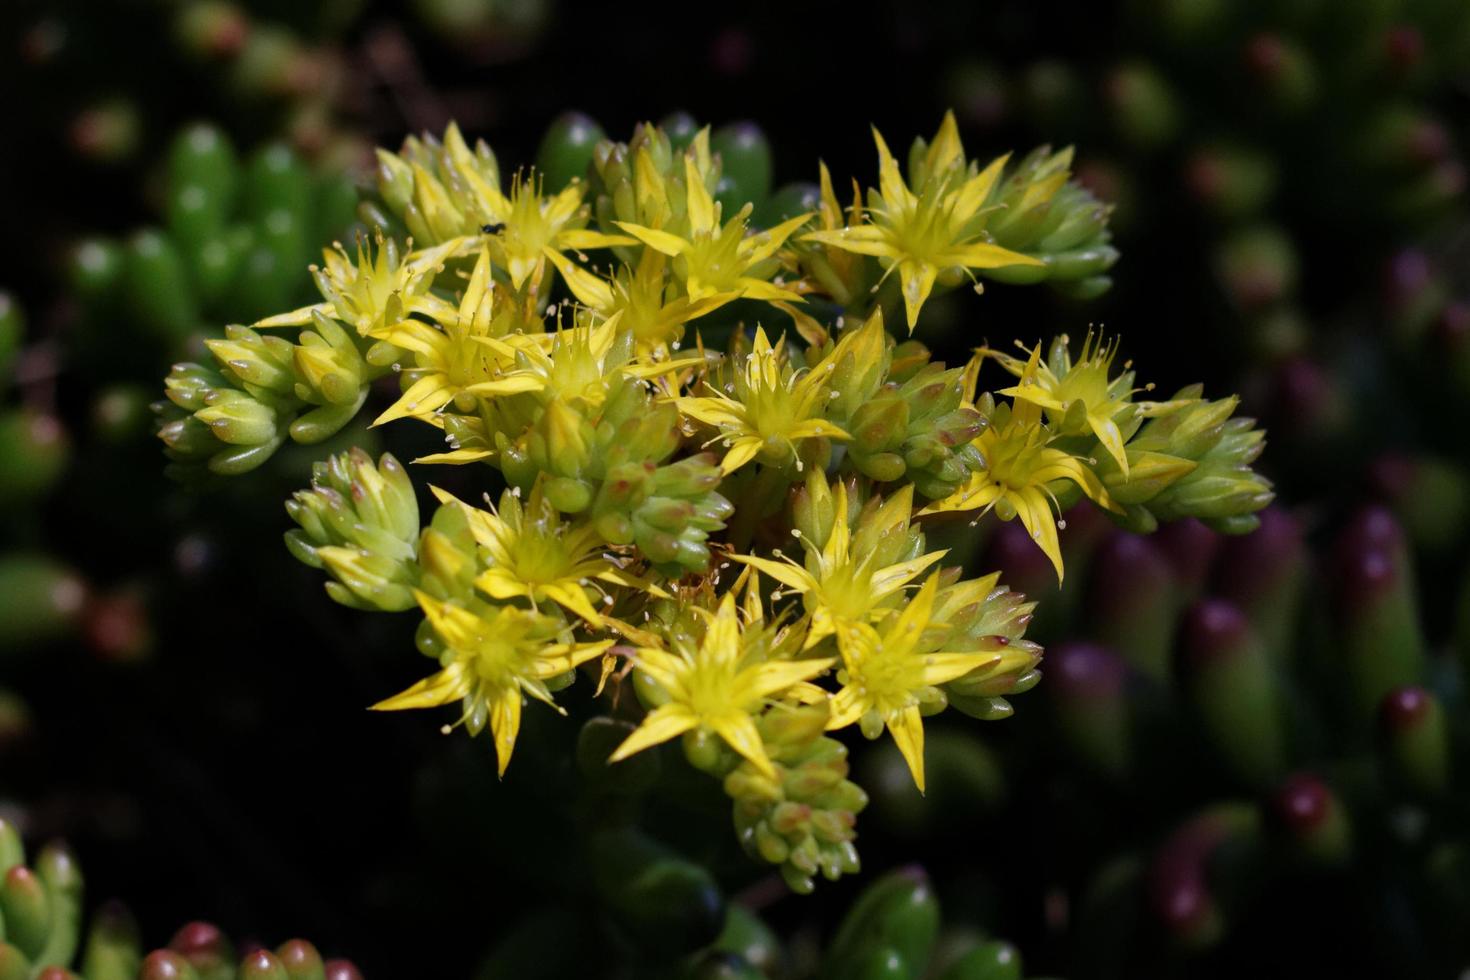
[[888, 676], [453, 357], [652, 310], [450, 195], [569, 365], [1019, 465], [774, 406], [494, 656], [374, 293], [1078, 396], [715, 687], [529, 227], [933, 228], [711, 258], [532, 553], [842, 584]]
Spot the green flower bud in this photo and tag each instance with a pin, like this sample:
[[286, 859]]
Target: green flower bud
[[360, 522], [804, 820], [264, 361], [238, 419]]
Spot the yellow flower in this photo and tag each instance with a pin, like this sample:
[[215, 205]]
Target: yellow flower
[[715, 687], [713, 259], [571, 364], [528, 228], [649, 307], [532, 553], [1078, 395], [935, 228], [494, 657], [451, 194], [842, 585], [374, 293], [887, 676], [449, 358], [1019, 464], [774, 407]]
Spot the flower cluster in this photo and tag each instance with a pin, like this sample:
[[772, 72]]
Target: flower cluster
[[617, 447]]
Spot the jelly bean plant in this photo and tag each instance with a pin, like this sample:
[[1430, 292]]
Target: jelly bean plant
[[708, 446]]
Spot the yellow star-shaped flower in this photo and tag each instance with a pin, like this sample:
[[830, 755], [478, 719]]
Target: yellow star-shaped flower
[[924, 232], [495, 656], [715, 687], [886, 677]]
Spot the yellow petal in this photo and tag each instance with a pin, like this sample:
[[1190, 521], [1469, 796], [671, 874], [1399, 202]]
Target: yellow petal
[[983, 255], [500, 583], [816, 428], [975, 190], [590, 290], [297, 318], [659, 725], [946, 148], [457, 456], [786, 573], [664, 667], [741, 451], [909, 626], [890, 183], [940, 668], [894, 577], [587, 238], [1057, 465], [659, 241], [565, 657], [758, 248], [1108, 434], [759, 289], [443, 687], [574, 598], [918, 282], [713, 411], [1034, 509], [977, 492], [776, 676], [740, 733], [907, 730], [701, 207], [424, 397], [505, 723], [862, 239], [847, 708], [509, 384]]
